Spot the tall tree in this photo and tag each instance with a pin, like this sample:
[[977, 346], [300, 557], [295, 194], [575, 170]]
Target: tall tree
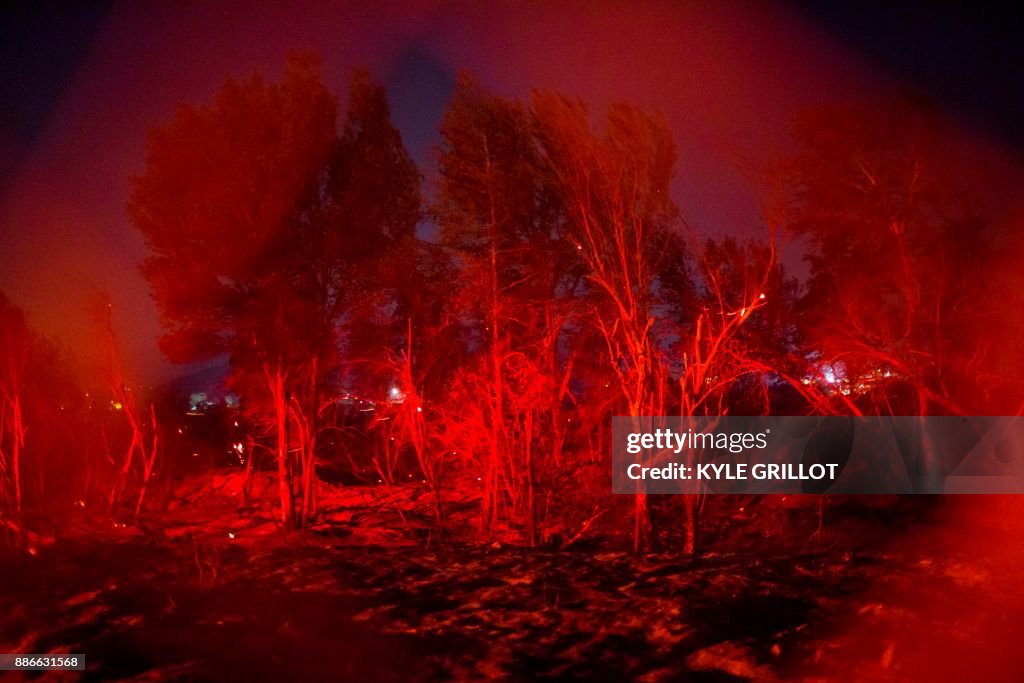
[[263, 223], [14, 343], [363, 227], [142, 448], [499, 214], [375, 206], [899, 249], [657, 324], [614, 184], [226, 192]]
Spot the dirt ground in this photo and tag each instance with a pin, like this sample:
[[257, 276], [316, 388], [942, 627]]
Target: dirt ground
[[942, 603]]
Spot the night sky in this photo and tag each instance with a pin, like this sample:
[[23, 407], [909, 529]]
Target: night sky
[[80, 85]]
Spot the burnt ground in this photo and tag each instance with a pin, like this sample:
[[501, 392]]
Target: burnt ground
[[940, 603]]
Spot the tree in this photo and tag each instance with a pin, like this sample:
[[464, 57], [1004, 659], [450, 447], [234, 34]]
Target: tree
[[375, 206], [738, 335], [899, 251], [41, 426], [145, 432], [661, 321], [615, 188], [359, 235], [224, 195], [265, 226], [14, 343], [499, 214]]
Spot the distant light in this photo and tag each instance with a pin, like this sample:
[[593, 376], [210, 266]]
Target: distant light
[[762, 296], [394, 392], [230, 535]]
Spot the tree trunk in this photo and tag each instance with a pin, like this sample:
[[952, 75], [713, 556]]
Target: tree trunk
[[251, 454], [17, 443], [280, 398], [136, 442], [148, 462], [643, 528], [691, 542], [309, 450], [531, 505], [308, 481], [488, 512]]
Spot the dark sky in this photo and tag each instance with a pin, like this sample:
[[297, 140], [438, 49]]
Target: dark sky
[[79, 84]]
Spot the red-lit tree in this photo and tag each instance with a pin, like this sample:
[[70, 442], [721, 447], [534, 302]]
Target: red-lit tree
[[731, 343], [738, 336], [262, 222], [141, 453], [661, 321], [899, 248], [14, 342], [614, 186], [42, 430], [357, 245], [499, 215], [375, 205], [226, 194]]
